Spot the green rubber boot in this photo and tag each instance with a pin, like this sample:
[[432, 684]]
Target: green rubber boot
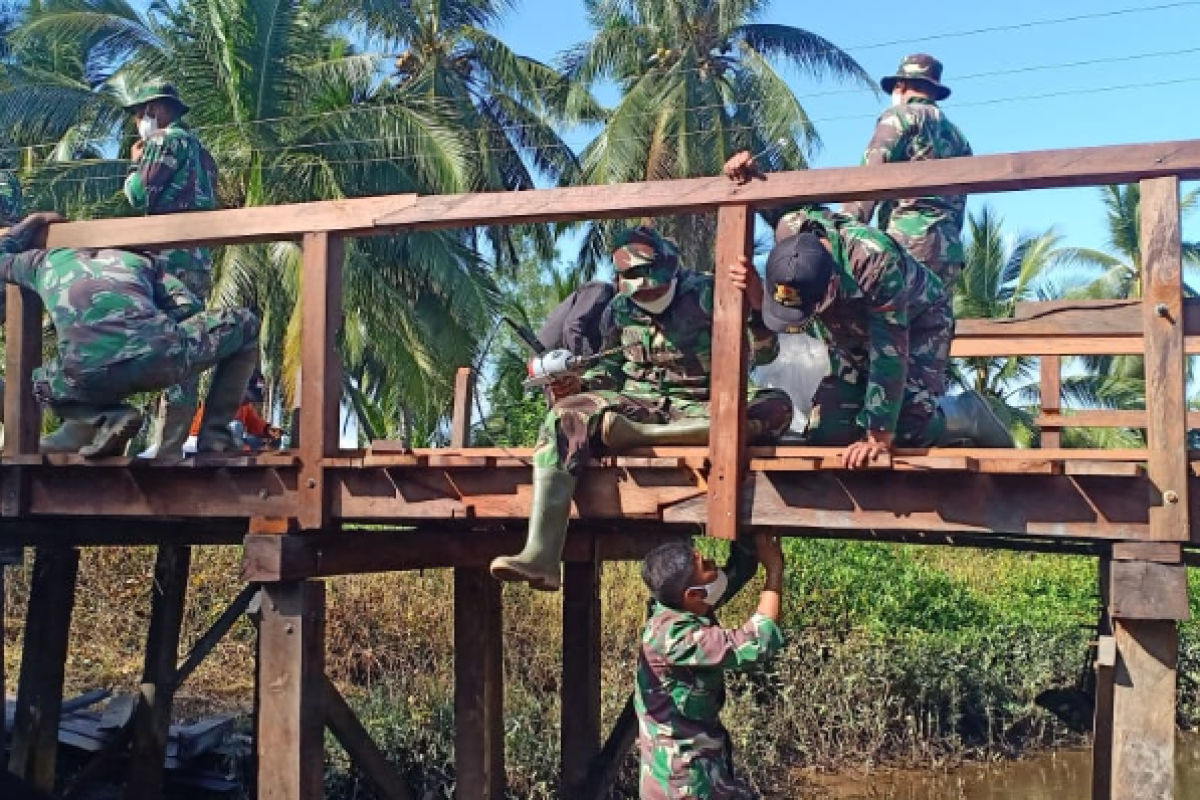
[[72, 435], [224, 397], [114, 427], [970, 420], [620, 433], [173, 425], [540, 562]]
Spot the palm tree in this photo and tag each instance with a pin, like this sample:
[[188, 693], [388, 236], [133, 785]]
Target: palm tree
[[699, 80]]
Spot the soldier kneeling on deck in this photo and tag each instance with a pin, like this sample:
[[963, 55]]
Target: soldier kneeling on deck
[[124, 326], [651, 388]]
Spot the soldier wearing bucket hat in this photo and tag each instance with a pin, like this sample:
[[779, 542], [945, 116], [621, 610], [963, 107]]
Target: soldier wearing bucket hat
[[172, 172], [914, 128], [651, 388]]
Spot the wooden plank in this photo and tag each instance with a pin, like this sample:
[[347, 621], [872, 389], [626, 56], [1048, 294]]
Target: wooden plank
[[464, 399], [152, 712], [349, 216], [1106, 672], [1125, 469], [979, 174], [344, 725], [727, 452], [291, 709], [1158, 552], [1148, 590], [580, 705], [1103, 419], [43, 662], [1143, 756], [1166, 400], [22, 417], [1050, 370], [1021, 344], [321, 394], [478, 685]]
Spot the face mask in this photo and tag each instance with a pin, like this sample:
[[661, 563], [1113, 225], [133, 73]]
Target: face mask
[[897, 98], [715, 590], [147, 126], [659, 304]]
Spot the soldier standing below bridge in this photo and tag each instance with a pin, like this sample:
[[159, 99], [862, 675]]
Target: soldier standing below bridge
[[172, 172], [124, 325], [685, 750], [651, 388]]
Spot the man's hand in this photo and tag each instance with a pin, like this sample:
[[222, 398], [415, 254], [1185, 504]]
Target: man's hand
[[770, 554], [565, 387], [135, 152], [745, 277], [741, 168], [31, 231], [861, 454]]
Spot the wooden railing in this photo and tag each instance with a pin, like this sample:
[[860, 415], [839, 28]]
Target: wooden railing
[[1153, 328]]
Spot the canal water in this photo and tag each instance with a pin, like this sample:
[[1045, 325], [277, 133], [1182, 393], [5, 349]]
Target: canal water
[[1058, 775]]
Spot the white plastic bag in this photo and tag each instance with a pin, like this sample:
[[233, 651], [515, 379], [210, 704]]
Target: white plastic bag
[[803, 361]]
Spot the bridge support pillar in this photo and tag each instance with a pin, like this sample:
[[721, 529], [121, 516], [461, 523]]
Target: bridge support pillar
[[478, 685], [291, 689], [580, 710], [1137, 658]]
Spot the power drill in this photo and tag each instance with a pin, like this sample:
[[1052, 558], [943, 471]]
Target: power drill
[[546, 368]]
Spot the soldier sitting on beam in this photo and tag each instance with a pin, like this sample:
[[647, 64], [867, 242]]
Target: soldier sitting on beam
[[651, 388], [124, 326]]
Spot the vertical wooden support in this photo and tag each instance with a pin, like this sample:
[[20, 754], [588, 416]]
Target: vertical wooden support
[[580, 711], [1106, 668], [1051, 391], [3, 677], [727, 444], [464, 397], [22, 417], [1166, 402], [321, 394], [478, 685], [290, 743], [152, 713], [43, 664]]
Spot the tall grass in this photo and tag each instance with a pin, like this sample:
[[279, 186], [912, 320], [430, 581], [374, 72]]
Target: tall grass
[[896, 654]]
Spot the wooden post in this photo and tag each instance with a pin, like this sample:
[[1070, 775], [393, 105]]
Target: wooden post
[[321, 394], [43, 662], [580, 711], [478, 685], [464, 398], [1051, 390], [22, 417], [152, 713], [727, 443], [1166, 401], [1106, 668], [290, 743]]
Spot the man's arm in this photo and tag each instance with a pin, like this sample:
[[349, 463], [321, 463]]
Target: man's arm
[[174, 298], [886, 146], [151, 174]]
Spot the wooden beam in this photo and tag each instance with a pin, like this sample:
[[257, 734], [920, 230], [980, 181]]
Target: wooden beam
[[1050, 369], [603, 770], [3, 675], [43, 662], [321, 393], [152, 711], [22, 417], [727, 451], [205, 644], [358, 744], [1166, 400], [1143, 755], [291, 709], [580, 706], [1106, 671], [1021, 343], [464, 399], [1104, 419], [1148, 590], [478, 685]]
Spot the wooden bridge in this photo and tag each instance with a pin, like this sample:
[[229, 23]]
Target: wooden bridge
[[458, 507]]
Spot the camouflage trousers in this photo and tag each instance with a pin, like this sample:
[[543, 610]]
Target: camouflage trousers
[[937, 246], [840, 397], [192, 346], [571, 429], [700, 769], [193, 267]]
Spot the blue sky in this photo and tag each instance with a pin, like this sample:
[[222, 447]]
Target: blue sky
[[1037, 104]]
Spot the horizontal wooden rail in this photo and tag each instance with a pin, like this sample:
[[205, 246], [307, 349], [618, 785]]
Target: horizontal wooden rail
[[1104, 419]]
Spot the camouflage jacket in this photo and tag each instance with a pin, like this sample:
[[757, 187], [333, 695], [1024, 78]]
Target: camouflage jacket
[[879, 290], [10, 198], [107, 306], [670, 354], [917, 131], [680, 693]]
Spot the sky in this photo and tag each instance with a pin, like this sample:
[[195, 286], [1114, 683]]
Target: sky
[[1025, 76]]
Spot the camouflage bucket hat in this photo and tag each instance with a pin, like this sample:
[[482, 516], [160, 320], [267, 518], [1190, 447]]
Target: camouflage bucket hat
[[156, 91], [643, 257], [919, 67]]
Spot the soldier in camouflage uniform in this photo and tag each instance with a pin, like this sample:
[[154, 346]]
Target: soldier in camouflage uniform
[[10, 198], [685, 750], [124, 325], [650, 388], [916, 129], [172, 172]]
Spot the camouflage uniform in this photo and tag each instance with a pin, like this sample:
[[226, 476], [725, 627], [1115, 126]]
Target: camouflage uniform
[[10, 198], [685, 750], [929, 228], [123, 325], [888, 327], [660, 374]]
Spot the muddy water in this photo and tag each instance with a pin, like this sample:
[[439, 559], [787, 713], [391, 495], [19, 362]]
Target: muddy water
[[1061, 775]]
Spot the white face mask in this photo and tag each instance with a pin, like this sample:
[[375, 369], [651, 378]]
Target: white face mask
[[898, 98], [146, 126], [716, 590], [659, 304]]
